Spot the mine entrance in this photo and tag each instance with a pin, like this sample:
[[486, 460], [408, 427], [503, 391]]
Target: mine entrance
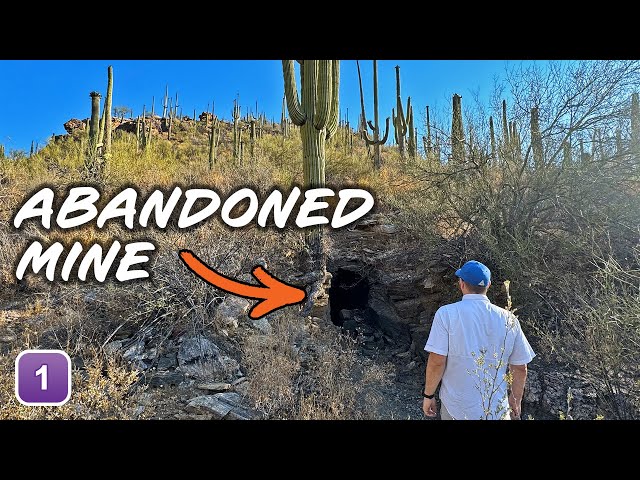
[[349, 295]]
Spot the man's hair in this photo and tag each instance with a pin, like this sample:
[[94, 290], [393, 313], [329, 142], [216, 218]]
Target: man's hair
[[476, 288]]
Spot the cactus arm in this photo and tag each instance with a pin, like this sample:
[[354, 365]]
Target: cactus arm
[[332, 126], [291, 93], [371, 125], [402, 123], [367, 139], [323, 95], [386, 132]]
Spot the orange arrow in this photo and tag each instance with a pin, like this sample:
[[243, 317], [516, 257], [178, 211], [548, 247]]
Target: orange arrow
[[274, 294]]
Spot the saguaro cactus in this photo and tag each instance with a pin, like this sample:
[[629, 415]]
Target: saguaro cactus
[[376, 142], [492, 135], [399, 121], [165, 101], [505, 125], [635, 121], [214, 139], [457, 131], [236, 130], [92, 161], [536, 140], [252, 137], [284, 120], [151, 124], [107, 113], [514, 140], [436, 148], [316, 113], [566, 153], [94, 123], [412, 145], [428, 144], [138, 134]]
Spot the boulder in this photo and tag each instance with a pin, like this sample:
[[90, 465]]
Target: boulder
[[134, 351], [74, 124], [200, 357], [382, 313], [211, 403], [167, 361], [7, 336], [225, 405], [262, 325], [163, 379], [129, 126], [216, 387], [231, 311]]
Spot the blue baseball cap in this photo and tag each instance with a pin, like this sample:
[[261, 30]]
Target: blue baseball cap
[[475, 273]]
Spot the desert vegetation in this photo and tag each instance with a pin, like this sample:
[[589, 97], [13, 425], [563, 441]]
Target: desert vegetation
[[542, 185]]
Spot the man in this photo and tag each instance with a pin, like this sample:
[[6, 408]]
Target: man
[[470, 344]]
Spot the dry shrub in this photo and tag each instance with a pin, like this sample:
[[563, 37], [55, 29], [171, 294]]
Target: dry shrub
[[301, 371], [338, 384], [103, 391], [600, 336], [272, 363]]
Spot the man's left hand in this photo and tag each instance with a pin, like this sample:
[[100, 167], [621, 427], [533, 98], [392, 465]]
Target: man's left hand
[[430, 407]]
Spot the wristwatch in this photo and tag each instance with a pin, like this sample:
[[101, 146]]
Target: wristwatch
[[428, 396]]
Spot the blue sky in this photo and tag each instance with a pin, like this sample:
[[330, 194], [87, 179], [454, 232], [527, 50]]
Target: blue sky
[[38, 96]]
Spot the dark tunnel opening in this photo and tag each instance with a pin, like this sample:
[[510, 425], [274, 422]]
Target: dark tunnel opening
[[349, 294]]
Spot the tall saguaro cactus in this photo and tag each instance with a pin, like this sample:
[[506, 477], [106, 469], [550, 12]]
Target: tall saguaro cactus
[[516, 144], [214, 139], [94, 124], [428, 142], [505, 126], [635, 121], [492, 135], [92, 160], [412, 145], [165, 101], [107, 113], [457, 131], [376, 142], [566, 152], [399, 121], [252, 138], [316, 113], [536, 139], [236, 130]]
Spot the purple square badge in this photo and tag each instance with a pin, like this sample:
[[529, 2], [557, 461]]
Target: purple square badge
[[43, 377]]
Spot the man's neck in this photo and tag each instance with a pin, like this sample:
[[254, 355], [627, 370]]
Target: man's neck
[[475, 296]]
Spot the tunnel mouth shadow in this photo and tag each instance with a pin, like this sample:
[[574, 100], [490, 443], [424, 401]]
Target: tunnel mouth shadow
[[349, 293]]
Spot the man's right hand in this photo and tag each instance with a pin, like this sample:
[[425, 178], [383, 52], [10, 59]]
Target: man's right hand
[[515, 405]]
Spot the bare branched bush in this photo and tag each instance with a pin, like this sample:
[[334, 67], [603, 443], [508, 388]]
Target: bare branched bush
[[600, 336]]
